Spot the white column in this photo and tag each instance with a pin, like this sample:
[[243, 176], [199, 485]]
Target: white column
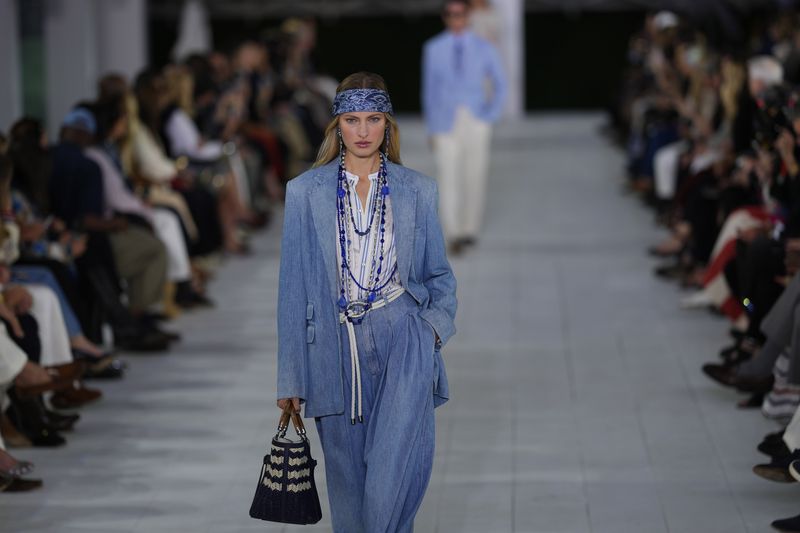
[[122, 37], [512, 45], [10, 93], [70, 43], [194, 31]]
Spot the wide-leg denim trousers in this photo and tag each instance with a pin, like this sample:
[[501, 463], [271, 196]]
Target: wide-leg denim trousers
[[377, 471]]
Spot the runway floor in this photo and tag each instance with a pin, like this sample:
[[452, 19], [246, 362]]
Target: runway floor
[[577, 403]]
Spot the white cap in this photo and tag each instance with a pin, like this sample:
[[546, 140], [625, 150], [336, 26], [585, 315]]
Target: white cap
[[765, 69], [665, 19]]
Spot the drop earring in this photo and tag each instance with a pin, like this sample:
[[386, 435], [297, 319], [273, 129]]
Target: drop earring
[[386, 143], [341, 143]]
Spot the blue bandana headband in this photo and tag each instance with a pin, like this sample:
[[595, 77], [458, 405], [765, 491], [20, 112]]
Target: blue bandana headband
[[355, 100]]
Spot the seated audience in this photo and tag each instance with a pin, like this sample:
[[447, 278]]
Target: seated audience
[[712, 134], [121, 224]]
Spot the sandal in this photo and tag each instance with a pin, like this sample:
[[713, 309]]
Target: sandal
[[669, 248], [5, 482], [740, 351], [110, 369], [23, 468], [89, 358], [11, 483]]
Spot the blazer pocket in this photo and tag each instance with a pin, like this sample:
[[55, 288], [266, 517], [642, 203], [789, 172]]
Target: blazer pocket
[[310, 333]]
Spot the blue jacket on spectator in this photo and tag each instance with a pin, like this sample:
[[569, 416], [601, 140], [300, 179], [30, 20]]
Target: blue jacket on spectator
[[309, 347], [455, 71]]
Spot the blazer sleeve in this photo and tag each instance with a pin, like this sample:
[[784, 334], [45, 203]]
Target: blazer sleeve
[[428, 98], [437, 276], [494, 70], [292, 347]]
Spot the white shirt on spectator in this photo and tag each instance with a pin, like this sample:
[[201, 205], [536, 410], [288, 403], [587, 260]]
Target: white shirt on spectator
[[117, 197], [149, 158], [184, 139]]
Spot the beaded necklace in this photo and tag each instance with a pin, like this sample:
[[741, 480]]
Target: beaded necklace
[[355, 310]]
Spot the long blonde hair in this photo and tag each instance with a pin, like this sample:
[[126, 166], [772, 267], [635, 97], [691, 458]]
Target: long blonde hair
[[180, 87], [734, 76], [329, 150]]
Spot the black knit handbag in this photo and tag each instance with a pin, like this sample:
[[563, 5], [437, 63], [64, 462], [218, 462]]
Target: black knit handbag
[[286, 491]]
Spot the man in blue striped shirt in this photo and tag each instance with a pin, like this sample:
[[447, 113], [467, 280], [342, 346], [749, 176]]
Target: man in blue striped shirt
[[463, 89]]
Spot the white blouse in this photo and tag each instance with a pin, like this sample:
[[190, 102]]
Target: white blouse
[[149, 158], [361, 248], [185, 139]]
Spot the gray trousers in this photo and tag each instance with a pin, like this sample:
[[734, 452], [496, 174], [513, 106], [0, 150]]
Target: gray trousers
[[141, 261], [782, 328]]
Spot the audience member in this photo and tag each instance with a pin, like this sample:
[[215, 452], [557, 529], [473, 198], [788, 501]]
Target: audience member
[[121, 224], [712, 143]]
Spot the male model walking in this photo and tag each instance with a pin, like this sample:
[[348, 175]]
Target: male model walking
[[463, 88]]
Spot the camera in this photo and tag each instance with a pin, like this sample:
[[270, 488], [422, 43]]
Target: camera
[[776, 107]]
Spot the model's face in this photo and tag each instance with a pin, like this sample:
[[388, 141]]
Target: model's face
[[362, 132], [456, 17]]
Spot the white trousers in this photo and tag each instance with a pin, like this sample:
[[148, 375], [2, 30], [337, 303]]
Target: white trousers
[[703, 161], [12, 359], [240, 176], [167, 226], [53, 334], [791, 437], [462, 156], [665, 167]]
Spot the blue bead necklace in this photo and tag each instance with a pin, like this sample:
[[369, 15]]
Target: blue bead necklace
[[355, 311], [376, 205]]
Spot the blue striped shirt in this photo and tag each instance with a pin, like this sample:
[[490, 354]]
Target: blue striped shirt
[[360, 248]]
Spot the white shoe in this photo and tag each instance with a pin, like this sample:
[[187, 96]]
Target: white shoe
[[794, 470], [696, 300]]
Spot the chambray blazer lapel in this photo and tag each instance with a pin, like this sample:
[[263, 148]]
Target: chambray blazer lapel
[[322, 201], [404, 207], [323, 211]]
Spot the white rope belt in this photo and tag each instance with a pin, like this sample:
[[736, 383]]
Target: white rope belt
[[355, 366]]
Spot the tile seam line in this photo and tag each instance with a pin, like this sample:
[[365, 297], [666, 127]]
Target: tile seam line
[[570, 368], [643, 434], [706, 430]]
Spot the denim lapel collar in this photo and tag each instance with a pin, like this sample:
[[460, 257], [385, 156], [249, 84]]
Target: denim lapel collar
[[404, 206], [323, 211]]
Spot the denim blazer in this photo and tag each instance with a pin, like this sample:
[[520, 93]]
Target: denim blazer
[[309, 347]]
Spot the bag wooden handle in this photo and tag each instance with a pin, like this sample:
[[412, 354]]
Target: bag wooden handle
[[297, 421]]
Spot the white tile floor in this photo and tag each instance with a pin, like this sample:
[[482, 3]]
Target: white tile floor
[[577, 400]]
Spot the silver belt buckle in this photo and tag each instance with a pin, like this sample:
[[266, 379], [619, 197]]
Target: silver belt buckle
[[357, 309]]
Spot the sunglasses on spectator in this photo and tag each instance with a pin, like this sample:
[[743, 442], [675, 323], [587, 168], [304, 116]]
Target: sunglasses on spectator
[[454, 14]]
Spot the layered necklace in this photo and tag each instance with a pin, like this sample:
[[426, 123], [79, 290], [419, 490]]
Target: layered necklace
[[376, 222]]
